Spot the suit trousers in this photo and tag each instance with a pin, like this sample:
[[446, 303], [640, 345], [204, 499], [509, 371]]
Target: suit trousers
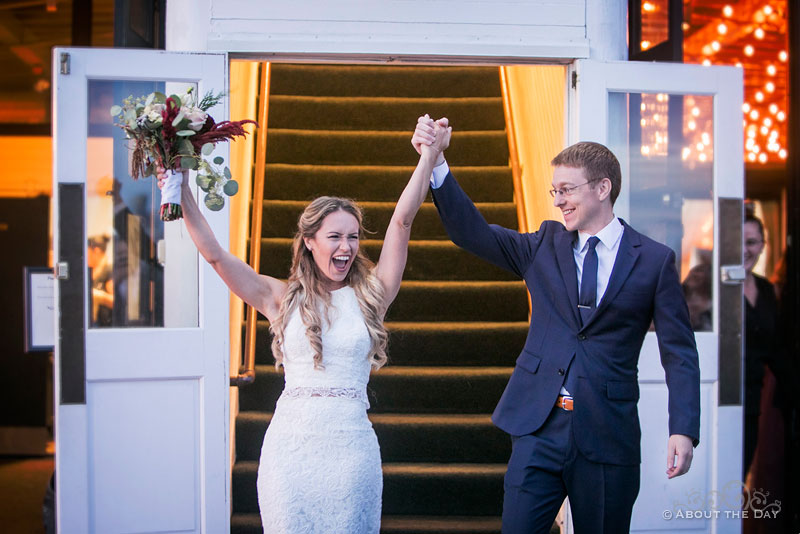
[[547, 466]]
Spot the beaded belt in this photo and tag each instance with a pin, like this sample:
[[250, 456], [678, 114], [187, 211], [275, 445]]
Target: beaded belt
[[305, 392]]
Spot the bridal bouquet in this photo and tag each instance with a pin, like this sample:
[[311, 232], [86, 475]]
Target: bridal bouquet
[[175, 133]]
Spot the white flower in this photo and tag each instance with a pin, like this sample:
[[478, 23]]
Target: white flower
[[197, 118], [153, 112]]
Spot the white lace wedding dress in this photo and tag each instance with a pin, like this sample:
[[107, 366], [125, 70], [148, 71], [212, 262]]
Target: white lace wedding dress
[[320, 467]]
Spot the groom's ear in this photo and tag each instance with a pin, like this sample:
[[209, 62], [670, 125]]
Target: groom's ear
[[604, 188]]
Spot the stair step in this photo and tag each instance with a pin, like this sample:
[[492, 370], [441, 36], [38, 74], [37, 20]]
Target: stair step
[[383, 113], [251, 524], [403, 389], [460, 301], [337, 147], [280, 217], [372, 80], [377, 182], [437, 344], [438, 489], [427, 260], [405, 437]]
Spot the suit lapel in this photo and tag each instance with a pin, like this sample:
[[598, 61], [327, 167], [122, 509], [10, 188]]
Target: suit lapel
[[627, 255], [566, 263]]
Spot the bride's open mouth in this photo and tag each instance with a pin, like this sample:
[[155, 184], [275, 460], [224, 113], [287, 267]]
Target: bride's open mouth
[[340, 262]]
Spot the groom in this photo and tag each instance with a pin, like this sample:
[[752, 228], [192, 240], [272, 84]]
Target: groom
[[570, 405]]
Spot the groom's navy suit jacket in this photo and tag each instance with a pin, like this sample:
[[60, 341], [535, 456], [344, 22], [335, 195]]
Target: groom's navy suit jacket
[[604, 352]]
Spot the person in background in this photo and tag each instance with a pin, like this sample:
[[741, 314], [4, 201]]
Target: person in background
[[102, 283]]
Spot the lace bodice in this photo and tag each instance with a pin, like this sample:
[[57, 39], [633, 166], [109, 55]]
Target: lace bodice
[[346, 344]]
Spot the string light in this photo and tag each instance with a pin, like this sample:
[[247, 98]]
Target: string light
[[783, 56], [745, 107], [771, 70], [773, 108], [781, 116], [706, 62], [751, 157], [767, 10], [768, 122], [691, 125], [759, 96], [722, 29], [645, 45], [715, 46], [762, 158], [649, 7], [754, 114], [749, 50], [759, 33], [727, 11], [782, 153], [770, 87]]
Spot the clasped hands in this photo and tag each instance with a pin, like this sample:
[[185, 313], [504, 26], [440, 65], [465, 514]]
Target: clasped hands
[[432, 137]]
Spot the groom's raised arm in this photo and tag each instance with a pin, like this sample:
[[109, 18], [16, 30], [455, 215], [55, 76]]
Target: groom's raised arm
[[465, 225]]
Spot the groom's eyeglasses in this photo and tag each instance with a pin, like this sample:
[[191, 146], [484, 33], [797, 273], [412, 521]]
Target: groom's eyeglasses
[[567, 191]]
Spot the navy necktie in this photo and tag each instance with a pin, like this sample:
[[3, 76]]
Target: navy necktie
[[587, 301]]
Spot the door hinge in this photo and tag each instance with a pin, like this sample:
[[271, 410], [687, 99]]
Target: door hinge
[[574, 80], [64, 63]]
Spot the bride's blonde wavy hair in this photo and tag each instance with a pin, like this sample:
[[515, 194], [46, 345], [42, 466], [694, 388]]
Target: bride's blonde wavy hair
[[305, 287]]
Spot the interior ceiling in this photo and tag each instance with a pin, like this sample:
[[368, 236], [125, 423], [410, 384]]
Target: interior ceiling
[[28, 31]]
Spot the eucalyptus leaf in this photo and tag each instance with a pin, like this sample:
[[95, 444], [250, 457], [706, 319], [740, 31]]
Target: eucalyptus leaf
[[214, 202], [208, 148], [185, 133], [231, 188], [115, 110], [176, 99], [177, 120], [185, 146], [228, 173], [219, 160], [203, 181], [159, 97], [188, 163]]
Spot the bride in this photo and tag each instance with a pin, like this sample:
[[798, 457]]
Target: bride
[[320, 466]]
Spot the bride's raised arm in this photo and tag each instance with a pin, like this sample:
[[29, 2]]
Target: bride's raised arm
[[394, 253], [262, 292]]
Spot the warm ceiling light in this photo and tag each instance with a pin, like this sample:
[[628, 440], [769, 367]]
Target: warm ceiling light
[[782, 153], [706, 62], [691, 125], [702, 157], [749, 143], [762, 157], [764, 130], [645, 45], [707, 50], [706, 138], [686, 152], [727, 11], [771, 70], [770, 87], [767, 10], [767, 121], [754, 114], [685, 26], [751, 130], [700, 147], [749, 50], [649, 7], [751, 156], [782, 55], [739, 64], [696, 111], [781, 116], [759, 96], [715, 46], [759, 33], [773, 108], [745, 107], [722, 29]]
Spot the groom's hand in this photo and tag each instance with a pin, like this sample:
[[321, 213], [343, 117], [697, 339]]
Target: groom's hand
[[679, 455]]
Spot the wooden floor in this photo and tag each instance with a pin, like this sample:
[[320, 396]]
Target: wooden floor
[[23, 482]]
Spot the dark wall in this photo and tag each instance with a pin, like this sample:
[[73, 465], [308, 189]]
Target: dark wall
[[23, 377]]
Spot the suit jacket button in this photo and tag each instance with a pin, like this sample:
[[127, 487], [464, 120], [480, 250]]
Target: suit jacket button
[[582, 337], [561, 372]]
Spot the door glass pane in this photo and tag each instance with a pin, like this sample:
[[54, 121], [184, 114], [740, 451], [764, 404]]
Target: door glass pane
[[655, 23], [666, 150], [127, 250]]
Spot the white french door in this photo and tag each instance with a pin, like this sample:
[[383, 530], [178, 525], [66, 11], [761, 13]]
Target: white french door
[[141, 357], [677, 131]]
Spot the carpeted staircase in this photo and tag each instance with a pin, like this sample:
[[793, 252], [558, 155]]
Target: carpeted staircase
[[457, 324]]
